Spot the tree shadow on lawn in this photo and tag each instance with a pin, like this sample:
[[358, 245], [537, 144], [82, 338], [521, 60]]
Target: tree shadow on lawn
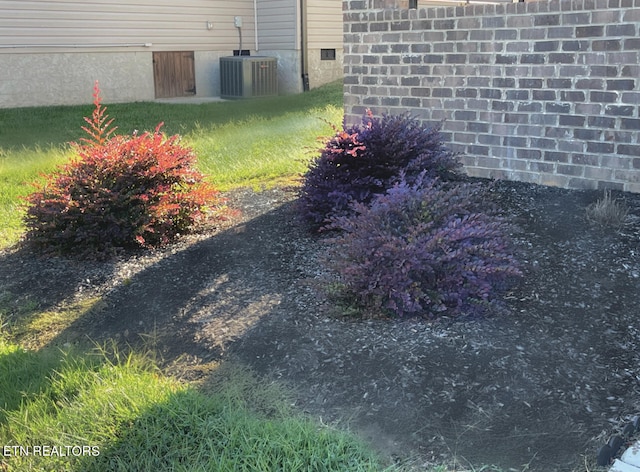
[[23, 375], [198, 297], [35, 289], [543, 385]]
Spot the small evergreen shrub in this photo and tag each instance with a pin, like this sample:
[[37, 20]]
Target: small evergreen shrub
[[423, 249], [119, 193], [363, 161]]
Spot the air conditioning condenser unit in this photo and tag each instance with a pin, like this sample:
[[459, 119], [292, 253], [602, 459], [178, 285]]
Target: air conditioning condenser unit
[[248, 76]]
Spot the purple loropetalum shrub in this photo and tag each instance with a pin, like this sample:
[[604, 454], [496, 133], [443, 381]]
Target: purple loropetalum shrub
[[362, 161], [424, 249]]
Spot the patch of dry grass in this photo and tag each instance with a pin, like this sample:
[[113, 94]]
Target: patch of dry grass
[[607, 211]]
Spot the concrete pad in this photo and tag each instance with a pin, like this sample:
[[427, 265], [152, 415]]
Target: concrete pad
[[189, 100], [619, 466], [632, 455]]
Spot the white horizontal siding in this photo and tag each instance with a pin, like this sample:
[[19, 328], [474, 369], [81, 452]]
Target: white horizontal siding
[[278, 24], [324, 23], [460, 3], [168, 24]]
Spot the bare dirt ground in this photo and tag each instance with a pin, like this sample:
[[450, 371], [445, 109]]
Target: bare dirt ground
[[540, 386]]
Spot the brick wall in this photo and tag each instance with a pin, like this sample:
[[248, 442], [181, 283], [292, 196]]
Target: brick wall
[[545, 92]]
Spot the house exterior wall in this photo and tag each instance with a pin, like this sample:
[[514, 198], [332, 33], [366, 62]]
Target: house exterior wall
[[279, 37], [278, 25], [545, 92], [325, 31], [52, 51], [41, 79], [66, 26]]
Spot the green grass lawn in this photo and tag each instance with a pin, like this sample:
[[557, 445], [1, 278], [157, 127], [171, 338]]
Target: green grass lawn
[[238, 143], [107, 411]]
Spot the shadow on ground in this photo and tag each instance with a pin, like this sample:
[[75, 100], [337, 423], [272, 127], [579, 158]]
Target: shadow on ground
[[541, 387]]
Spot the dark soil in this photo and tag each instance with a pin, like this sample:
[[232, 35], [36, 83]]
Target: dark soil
[[542, 385]]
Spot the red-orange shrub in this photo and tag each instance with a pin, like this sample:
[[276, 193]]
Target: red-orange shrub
[[120, 193]]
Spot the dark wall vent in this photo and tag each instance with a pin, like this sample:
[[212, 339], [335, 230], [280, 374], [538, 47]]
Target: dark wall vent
[[327, 54]]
